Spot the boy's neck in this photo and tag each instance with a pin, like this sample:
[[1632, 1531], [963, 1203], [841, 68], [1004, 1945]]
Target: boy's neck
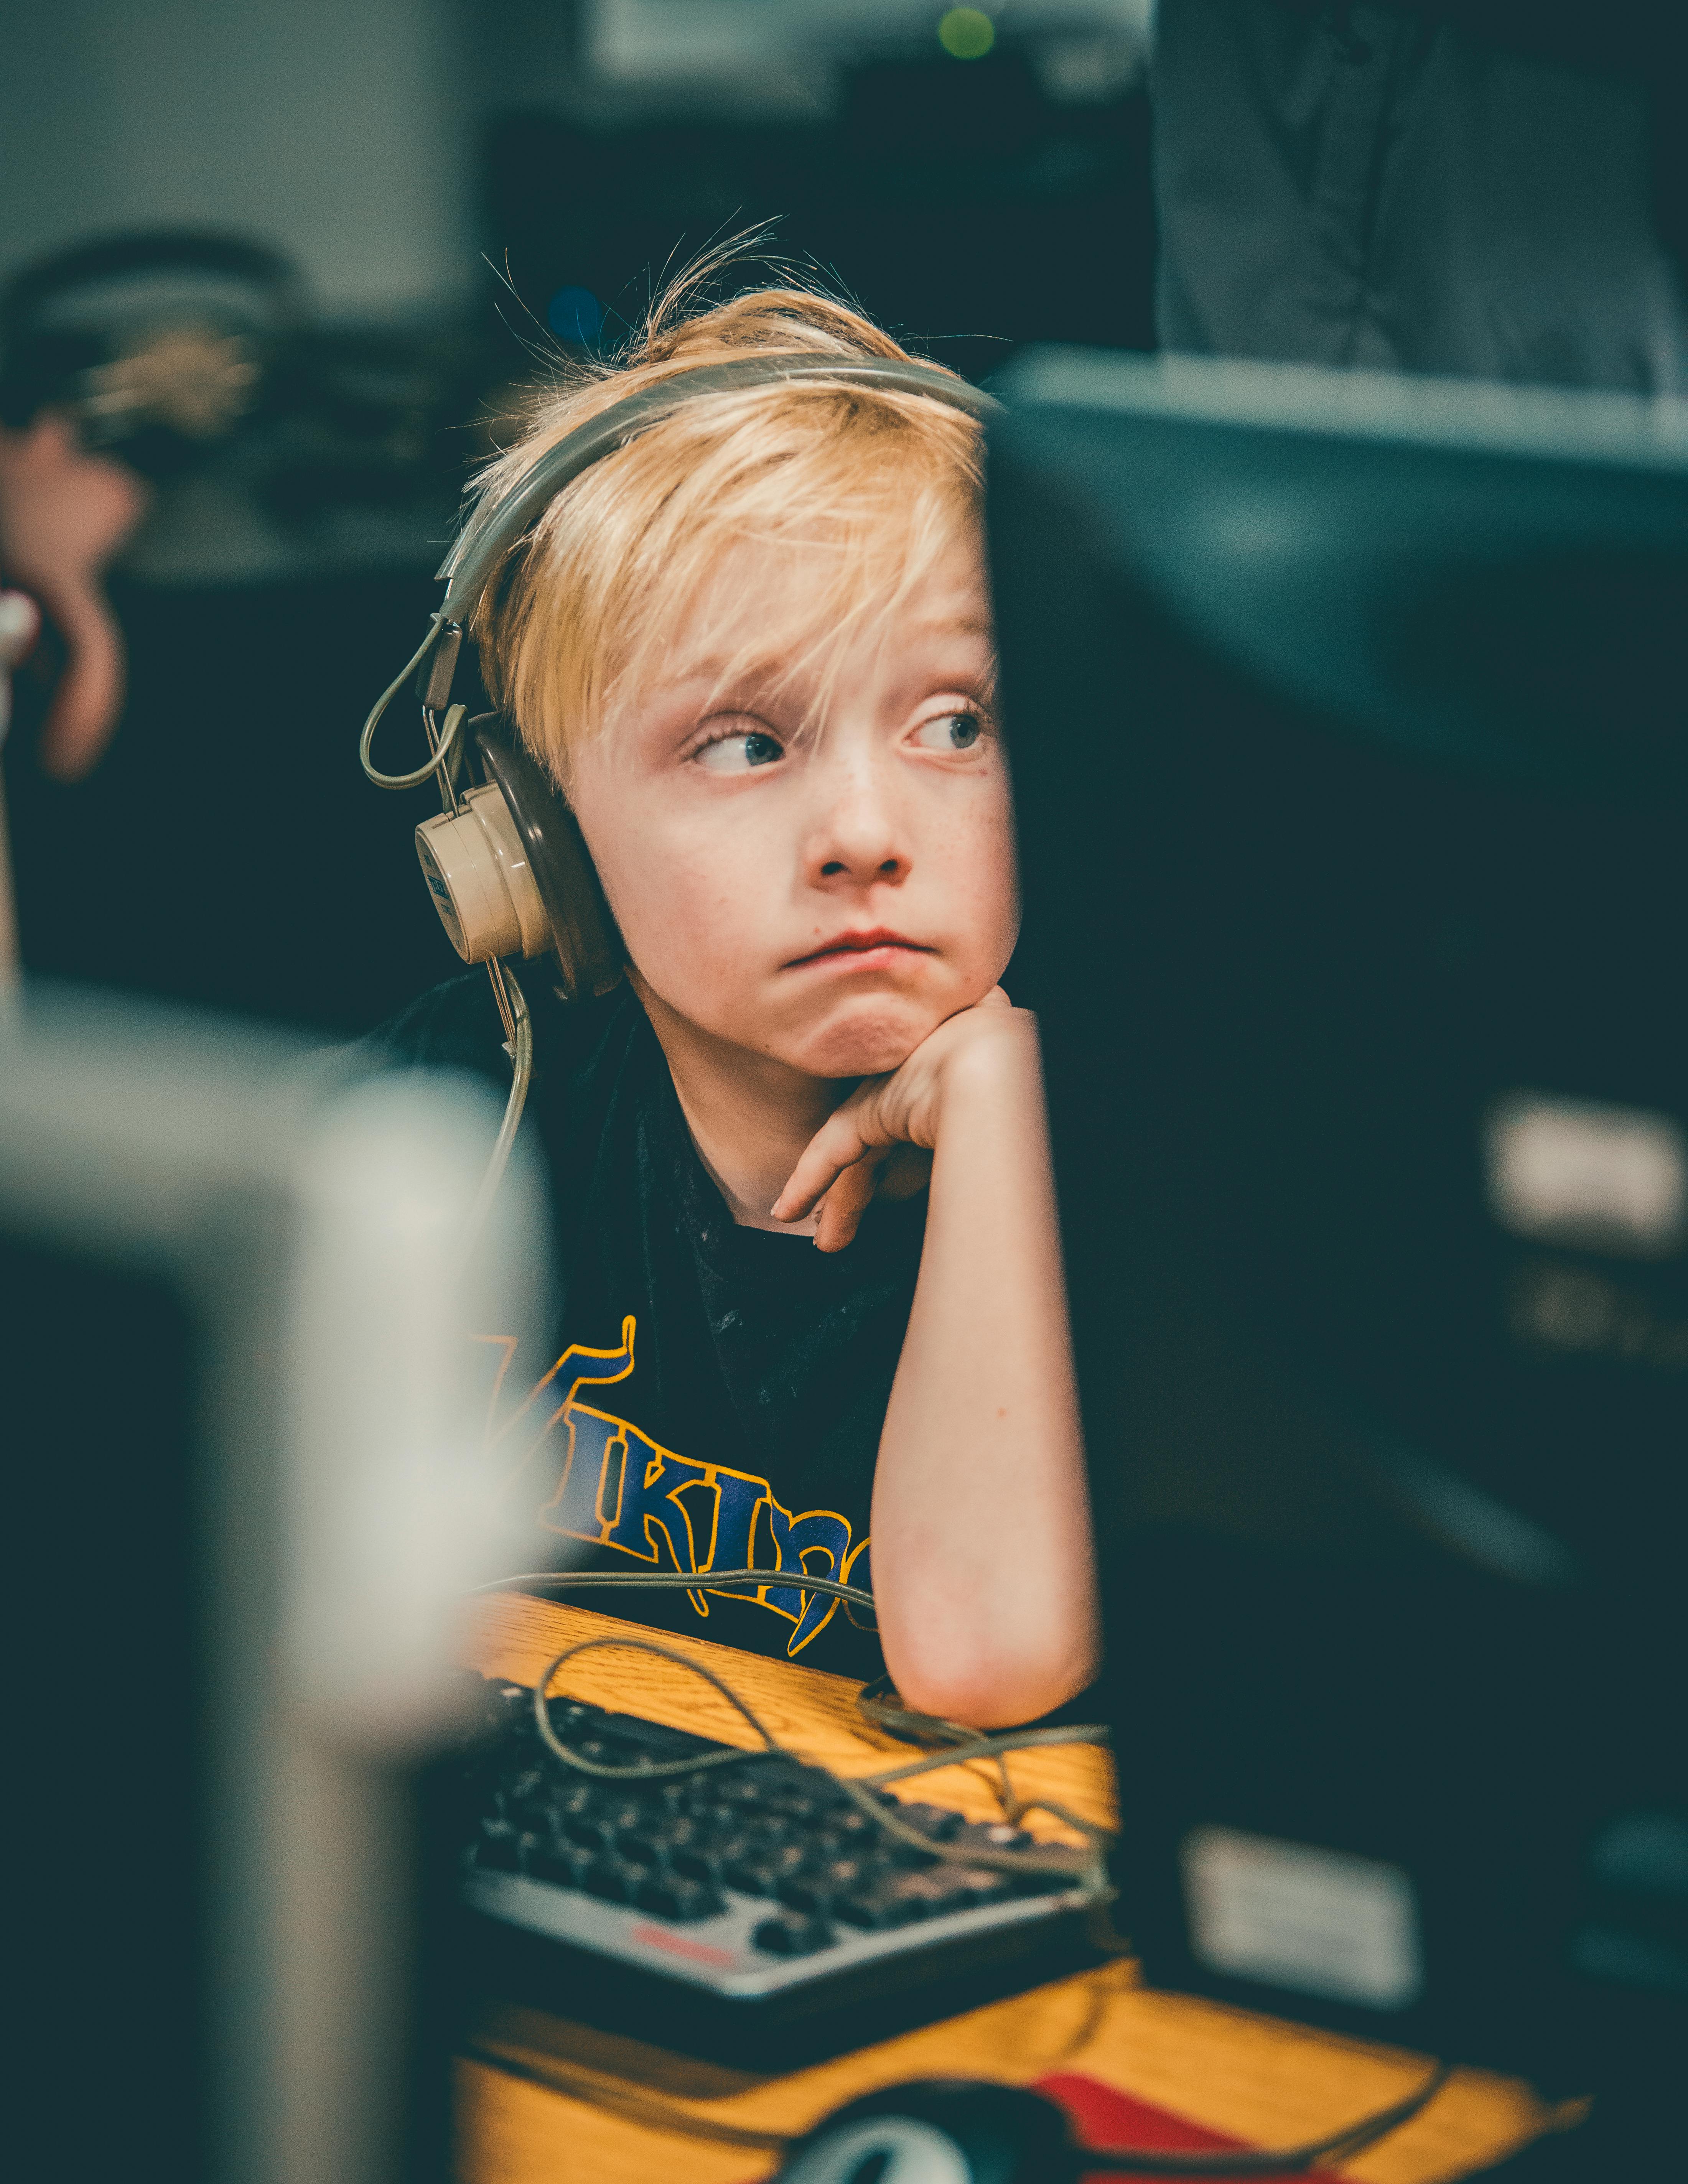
[[750, 1116]]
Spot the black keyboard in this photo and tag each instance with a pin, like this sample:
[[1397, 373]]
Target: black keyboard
[[758, 1880]]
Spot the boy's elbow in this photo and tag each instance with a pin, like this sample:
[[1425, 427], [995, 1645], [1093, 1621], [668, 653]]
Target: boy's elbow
[[987, 1688]]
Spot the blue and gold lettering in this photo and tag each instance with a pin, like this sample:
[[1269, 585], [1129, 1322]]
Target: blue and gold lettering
[[616, 1488], [817, 1542]]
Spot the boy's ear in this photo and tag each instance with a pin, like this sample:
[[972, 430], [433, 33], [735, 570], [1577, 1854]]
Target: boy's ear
[[510, 873], [588, 947]]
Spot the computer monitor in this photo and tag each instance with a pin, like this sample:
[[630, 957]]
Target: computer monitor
[[243, 1509], [1350, 727]]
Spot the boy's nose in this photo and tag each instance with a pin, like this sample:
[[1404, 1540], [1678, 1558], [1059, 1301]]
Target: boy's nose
[[856, 840]]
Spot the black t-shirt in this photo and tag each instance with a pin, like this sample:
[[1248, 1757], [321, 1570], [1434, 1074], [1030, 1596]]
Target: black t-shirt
[[712, 1396]]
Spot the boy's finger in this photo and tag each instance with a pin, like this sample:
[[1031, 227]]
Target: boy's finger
[[809, 1182], [842, 1209], [837, 1146]]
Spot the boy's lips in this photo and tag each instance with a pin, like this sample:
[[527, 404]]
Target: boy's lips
[[868, 951]]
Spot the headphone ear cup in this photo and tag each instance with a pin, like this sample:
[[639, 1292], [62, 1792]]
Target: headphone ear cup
[[588, 947]]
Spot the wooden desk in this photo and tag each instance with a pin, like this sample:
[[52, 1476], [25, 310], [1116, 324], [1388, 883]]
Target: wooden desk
[[1251, 2077]]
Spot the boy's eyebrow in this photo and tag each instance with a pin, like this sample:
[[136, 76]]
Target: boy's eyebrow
[[717, 665], [728, 670], [969, 624]]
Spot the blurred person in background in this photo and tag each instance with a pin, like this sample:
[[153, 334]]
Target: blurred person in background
[[220, 513], [65, 514], [1491, 188]]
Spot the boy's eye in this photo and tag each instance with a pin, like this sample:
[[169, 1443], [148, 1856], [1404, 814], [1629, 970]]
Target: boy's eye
[[738, 754], [949, 731]]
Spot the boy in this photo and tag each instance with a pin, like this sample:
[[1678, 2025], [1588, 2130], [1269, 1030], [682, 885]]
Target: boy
[[811, 1287]]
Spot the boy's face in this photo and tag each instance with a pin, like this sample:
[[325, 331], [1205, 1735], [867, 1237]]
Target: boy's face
[[820, 883]]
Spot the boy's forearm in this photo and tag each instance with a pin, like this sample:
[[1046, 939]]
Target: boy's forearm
[[982, 1558]]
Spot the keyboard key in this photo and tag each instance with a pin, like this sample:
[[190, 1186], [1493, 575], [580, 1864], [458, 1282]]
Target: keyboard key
[[521, 1795], [998, 1836], [671, 1831], [591, 1827], [497, 1851], [902, 1899], [614, 1880], [873, 1909], [968, 1885], [936, 1821], [559, 1861], [758, 1870], [814, 1889], [672, 1896], [850, 1829], [800, 1803], [792, 1934], [701, 1861]]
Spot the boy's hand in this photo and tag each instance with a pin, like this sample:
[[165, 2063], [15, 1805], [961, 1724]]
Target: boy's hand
[[988, 1051]]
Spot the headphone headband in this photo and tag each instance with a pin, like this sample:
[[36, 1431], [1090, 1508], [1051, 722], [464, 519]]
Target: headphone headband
[[474, 556]]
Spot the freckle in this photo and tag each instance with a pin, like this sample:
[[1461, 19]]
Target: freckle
[[1002, 1414]]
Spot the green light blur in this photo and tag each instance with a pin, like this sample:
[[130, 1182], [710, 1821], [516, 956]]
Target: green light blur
[[967, 34]]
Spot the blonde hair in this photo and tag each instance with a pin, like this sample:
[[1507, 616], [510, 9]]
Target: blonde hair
[[869, 485]]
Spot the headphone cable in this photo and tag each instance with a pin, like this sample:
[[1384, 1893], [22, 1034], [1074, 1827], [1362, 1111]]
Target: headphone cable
[[513, 1008]]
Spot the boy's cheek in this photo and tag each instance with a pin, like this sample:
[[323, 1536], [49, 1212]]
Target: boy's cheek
[[823, 1034]]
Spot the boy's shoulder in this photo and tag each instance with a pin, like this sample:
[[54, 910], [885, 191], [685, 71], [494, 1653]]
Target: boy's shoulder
[[456, 1025]]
